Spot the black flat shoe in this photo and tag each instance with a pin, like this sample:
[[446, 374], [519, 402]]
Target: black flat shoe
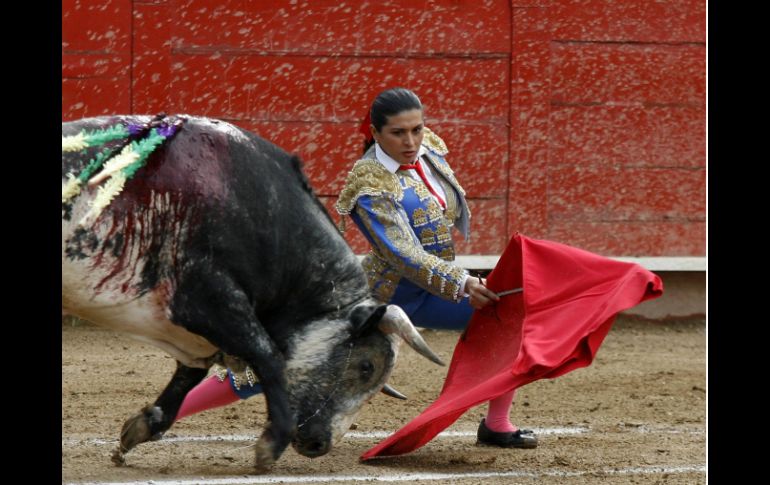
[[518, 439]]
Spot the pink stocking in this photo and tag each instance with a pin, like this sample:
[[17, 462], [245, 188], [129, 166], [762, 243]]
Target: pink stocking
[[498, 415], [209, 394]]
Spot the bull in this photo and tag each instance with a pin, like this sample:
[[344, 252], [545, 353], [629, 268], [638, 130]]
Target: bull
[[207, 241]]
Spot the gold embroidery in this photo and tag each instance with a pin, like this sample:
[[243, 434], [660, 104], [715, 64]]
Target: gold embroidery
[[433, 142], [242, 375], [452, 288], [436, 281], [368, 177], [386, 289], [427, 237], [393, 233], [419, 188], [442, 234], [382, 278], [456, 272], [424, 276], [408, 252], [434, 211], [447, 172], [419, 217], [220, 371], [403, 256], [451, 202]]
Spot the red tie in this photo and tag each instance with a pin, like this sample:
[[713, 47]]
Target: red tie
[[416, 166]]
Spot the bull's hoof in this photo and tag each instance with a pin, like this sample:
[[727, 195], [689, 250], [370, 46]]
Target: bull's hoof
[[137, 429], [264, 456], [264, 452], [118, 458]]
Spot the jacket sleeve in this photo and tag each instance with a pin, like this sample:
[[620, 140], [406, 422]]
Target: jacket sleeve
[[386, 226]]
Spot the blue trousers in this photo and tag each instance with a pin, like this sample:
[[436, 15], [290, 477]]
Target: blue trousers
[[246, 391], [430, 311]]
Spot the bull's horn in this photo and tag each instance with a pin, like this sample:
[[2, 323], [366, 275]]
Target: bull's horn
[[397, 322], [389, 391]]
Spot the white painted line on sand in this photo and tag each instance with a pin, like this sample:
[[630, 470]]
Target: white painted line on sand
[[410, 477], [663, 429], [349, 435], [384, 434]]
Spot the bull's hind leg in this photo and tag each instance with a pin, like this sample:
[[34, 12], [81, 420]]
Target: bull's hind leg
[[155, 419], [209, 303]]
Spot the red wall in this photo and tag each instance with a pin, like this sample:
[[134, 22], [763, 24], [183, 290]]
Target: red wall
[[577, 121]]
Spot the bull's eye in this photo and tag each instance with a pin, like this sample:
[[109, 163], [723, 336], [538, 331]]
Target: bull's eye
[[365, 369]]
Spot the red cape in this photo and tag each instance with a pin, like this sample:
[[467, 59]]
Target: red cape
[[569, 302]]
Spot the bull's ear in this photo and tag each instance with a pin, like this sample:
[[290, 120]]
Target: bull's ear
[[366, 317]]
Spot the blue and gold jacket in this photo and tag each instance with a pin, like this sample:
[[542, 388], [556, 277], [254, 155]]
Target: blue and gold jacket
[[409, 234]]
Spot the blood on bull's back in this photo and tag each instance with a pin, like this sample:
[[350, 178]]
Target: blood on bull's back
[[212, 187], [119, 259]]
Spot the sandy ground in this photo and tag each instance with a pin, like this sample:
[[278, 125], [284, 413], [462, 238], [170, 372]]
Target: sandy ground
[[641, 407]]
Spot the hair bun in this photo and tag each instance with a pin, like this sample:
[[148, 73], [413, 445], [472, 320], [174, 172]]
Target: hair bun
[[365, 130]]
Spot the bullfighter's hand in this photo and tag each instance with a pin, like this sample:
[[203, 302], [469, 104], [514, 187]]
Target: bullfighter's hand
[[480, 295]]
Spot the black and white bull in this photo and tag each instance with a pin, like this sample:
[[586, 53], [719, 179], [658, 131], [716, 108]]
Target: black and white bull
[[217, 250]]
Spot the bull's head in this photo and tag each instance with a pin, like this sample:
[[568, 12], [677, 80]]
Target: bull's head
[[335, 367]]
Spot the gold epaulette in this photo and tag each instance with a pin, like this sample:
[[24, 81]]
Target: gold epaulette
[[434, 142], [368, 177]]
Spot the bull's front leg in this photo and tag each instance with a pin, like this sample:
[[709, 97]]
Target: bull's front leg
[[155, 419], [212, 305], [282, 422]]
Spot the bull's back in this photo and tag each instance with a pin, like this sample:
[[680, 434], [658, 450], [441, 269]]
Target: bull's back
[[197, 196]]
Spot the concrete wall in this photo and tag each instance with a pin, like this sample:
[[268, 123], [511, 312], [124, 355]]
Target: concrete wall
[[684, 295], [577, 121]]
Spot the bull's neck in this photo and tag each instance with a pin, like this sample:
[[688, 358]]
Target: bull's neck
[[330, 284], [329, 275]]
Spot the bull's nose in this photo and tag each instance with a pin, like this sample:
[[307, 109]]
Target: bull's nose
[[314, 448]]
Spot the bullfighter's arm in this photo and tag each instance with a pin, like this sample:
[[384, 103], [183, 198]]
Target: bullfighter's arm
[[387, 228]]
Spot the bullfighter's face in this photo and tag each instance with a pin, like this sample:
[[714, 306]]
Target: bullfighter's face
[[401, 136]]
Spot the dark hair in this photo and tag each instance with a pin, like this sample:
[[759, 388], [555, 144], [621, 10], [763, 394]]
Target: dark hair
[[392, 102], [388, 103]]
